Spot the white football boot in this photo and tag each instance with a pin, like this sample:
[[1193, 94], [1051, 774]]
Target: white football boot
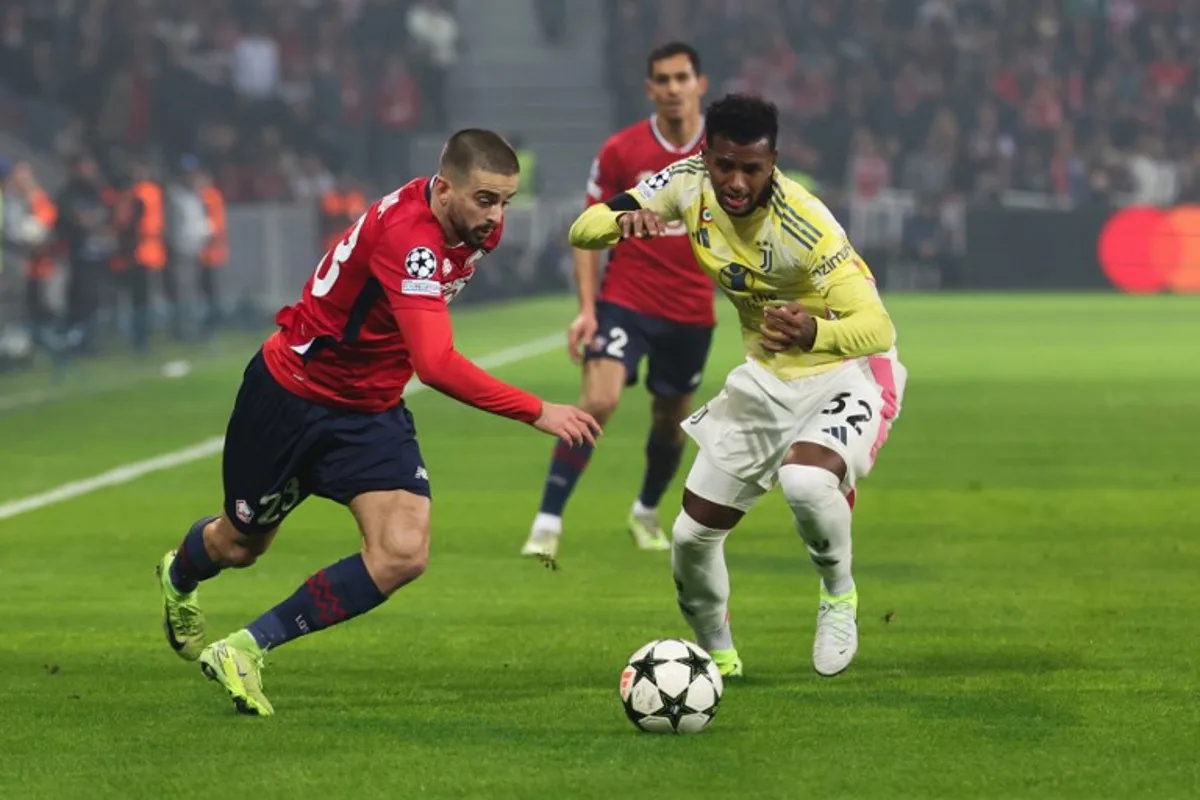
[[836, 641], [543, 537], [644, 528]]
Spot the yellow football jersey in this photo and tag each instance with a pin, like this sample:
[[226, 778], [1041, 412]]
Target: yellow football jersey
[[793, 250]]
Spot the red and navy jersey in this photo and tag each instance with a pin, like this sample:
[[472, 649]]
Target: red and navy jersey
[[375, 312], [657, 277]]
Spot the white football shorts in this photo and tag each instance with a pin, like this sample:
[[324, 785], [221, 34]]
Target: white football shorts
[[746, 431]]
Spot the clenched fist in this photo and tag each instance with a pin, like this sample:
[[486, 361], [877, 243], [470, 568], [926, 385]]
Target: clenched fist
[[788, 326]]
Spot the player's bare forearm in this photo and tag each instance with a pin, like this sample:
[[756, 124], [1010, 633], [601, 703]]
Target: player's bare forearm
[[596, 228], [587, 277]]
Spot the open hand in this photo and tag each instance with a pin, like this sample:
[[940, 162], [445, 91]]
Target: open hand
[[574, 426]]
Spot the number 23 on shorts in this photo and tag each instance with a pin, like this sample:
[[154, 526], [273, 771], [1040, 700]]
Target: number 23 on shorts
[[275, 506]]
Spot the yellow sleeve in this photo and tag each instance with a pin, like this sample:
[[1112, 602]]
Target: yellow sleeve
[[862, 327], [596, 228], [662, 193]]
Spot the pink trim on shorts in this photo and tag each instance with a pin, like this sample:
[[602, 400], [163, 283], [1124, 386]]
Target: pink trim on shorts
[[885, 378]]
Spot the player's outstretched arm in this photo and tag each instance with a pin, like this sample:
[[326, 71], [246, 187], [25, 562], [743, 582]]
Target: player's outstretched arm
[[421, 314], [603, 226], [440, 366], [640, 212], [596, 228]]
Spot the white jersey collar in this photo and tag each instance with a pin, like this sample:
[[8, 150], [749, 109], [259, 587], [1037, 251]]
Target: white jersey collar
[[670, 148]]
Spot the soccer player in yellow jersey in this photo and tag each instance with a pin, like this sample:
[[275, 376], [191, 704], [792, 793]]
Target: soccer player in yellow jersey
[[821, 384]]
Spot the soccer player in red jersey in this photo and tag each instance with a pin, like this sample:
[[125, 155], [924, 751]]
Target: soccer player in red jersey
[[320, 411], [654, 303]]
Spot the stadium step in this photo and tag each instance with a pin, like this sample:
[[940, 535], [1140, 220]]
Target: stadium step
[[553, 96]]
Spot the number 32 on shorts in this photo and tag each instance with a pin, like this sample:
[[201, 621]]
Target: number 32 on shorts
[[854, 412]]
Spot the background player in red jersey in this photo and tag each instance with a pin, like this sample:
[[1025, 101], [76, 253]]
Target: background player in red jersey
[[654, 303], [320, 412]]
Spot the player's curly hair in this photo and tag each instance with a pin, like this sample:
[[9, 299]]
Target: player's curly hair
[[742, 119]]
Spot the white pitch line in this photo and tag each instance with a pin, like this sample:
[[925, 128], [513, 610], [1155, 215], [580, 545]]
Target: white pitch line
[[127, 473]]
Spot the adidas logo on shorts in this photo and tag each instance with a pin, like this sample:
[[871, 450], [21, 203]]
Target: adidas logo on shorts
[[837, 432]]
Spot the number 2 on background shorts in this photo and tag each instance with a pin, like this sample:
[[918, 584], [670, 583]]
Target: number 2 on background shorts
[[676, 352], [280, 448]]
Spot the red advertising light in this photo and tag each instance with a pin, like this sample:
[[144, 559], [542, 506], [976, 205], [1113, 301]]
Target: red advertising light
[[1146, 249]]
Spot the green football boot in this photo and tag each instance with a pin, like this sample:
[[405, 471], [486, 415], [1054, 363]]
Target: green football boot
[[236, 662], [183, 621]]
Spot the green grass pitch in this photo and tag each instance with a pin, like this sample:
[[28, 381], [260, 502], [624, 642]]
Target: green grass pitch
[[1026, 551]]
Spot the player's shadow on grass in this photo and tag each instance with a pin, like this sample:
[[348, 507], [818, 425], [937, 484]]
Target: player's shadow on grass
[[994, 713], [799, 564], [1026, 661]]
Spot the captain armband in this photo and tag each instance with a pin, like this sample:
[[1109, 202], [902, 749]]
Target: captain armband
[[623, 202]]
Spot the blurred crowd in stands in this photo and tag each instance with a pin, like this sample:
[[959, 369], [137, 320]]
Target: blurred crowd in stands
[[166, 110], [274, 96], [950, 104], [1077, 99], [162, 112], [1081, 100]]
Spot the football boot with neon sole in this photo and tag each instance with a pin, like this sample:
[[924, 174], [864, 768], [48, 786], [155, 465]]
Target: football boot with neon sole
[[836, 641], [236, 662], [646, 532], [729, 664], [183, 621], [542, 543]]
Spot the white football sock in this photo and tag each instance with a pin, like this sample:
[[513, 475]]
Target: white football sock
[[640, 510], [702, 581], [823, 519], [547, 522]]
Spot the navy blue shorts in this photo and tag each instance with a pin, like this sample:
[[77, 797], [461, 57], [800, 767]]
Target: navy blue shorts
[[280, 448], [676, 352]]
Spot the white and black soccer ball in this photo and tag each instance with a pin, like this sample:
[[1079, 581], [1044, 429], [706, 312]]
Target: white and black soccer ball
[[421, 263], [671, 686]]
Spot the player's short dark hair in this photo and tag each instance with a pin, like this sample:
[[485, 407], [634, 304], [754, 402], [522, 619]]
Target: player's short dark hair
[[478, 149], [742, 119], [670, 50]]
